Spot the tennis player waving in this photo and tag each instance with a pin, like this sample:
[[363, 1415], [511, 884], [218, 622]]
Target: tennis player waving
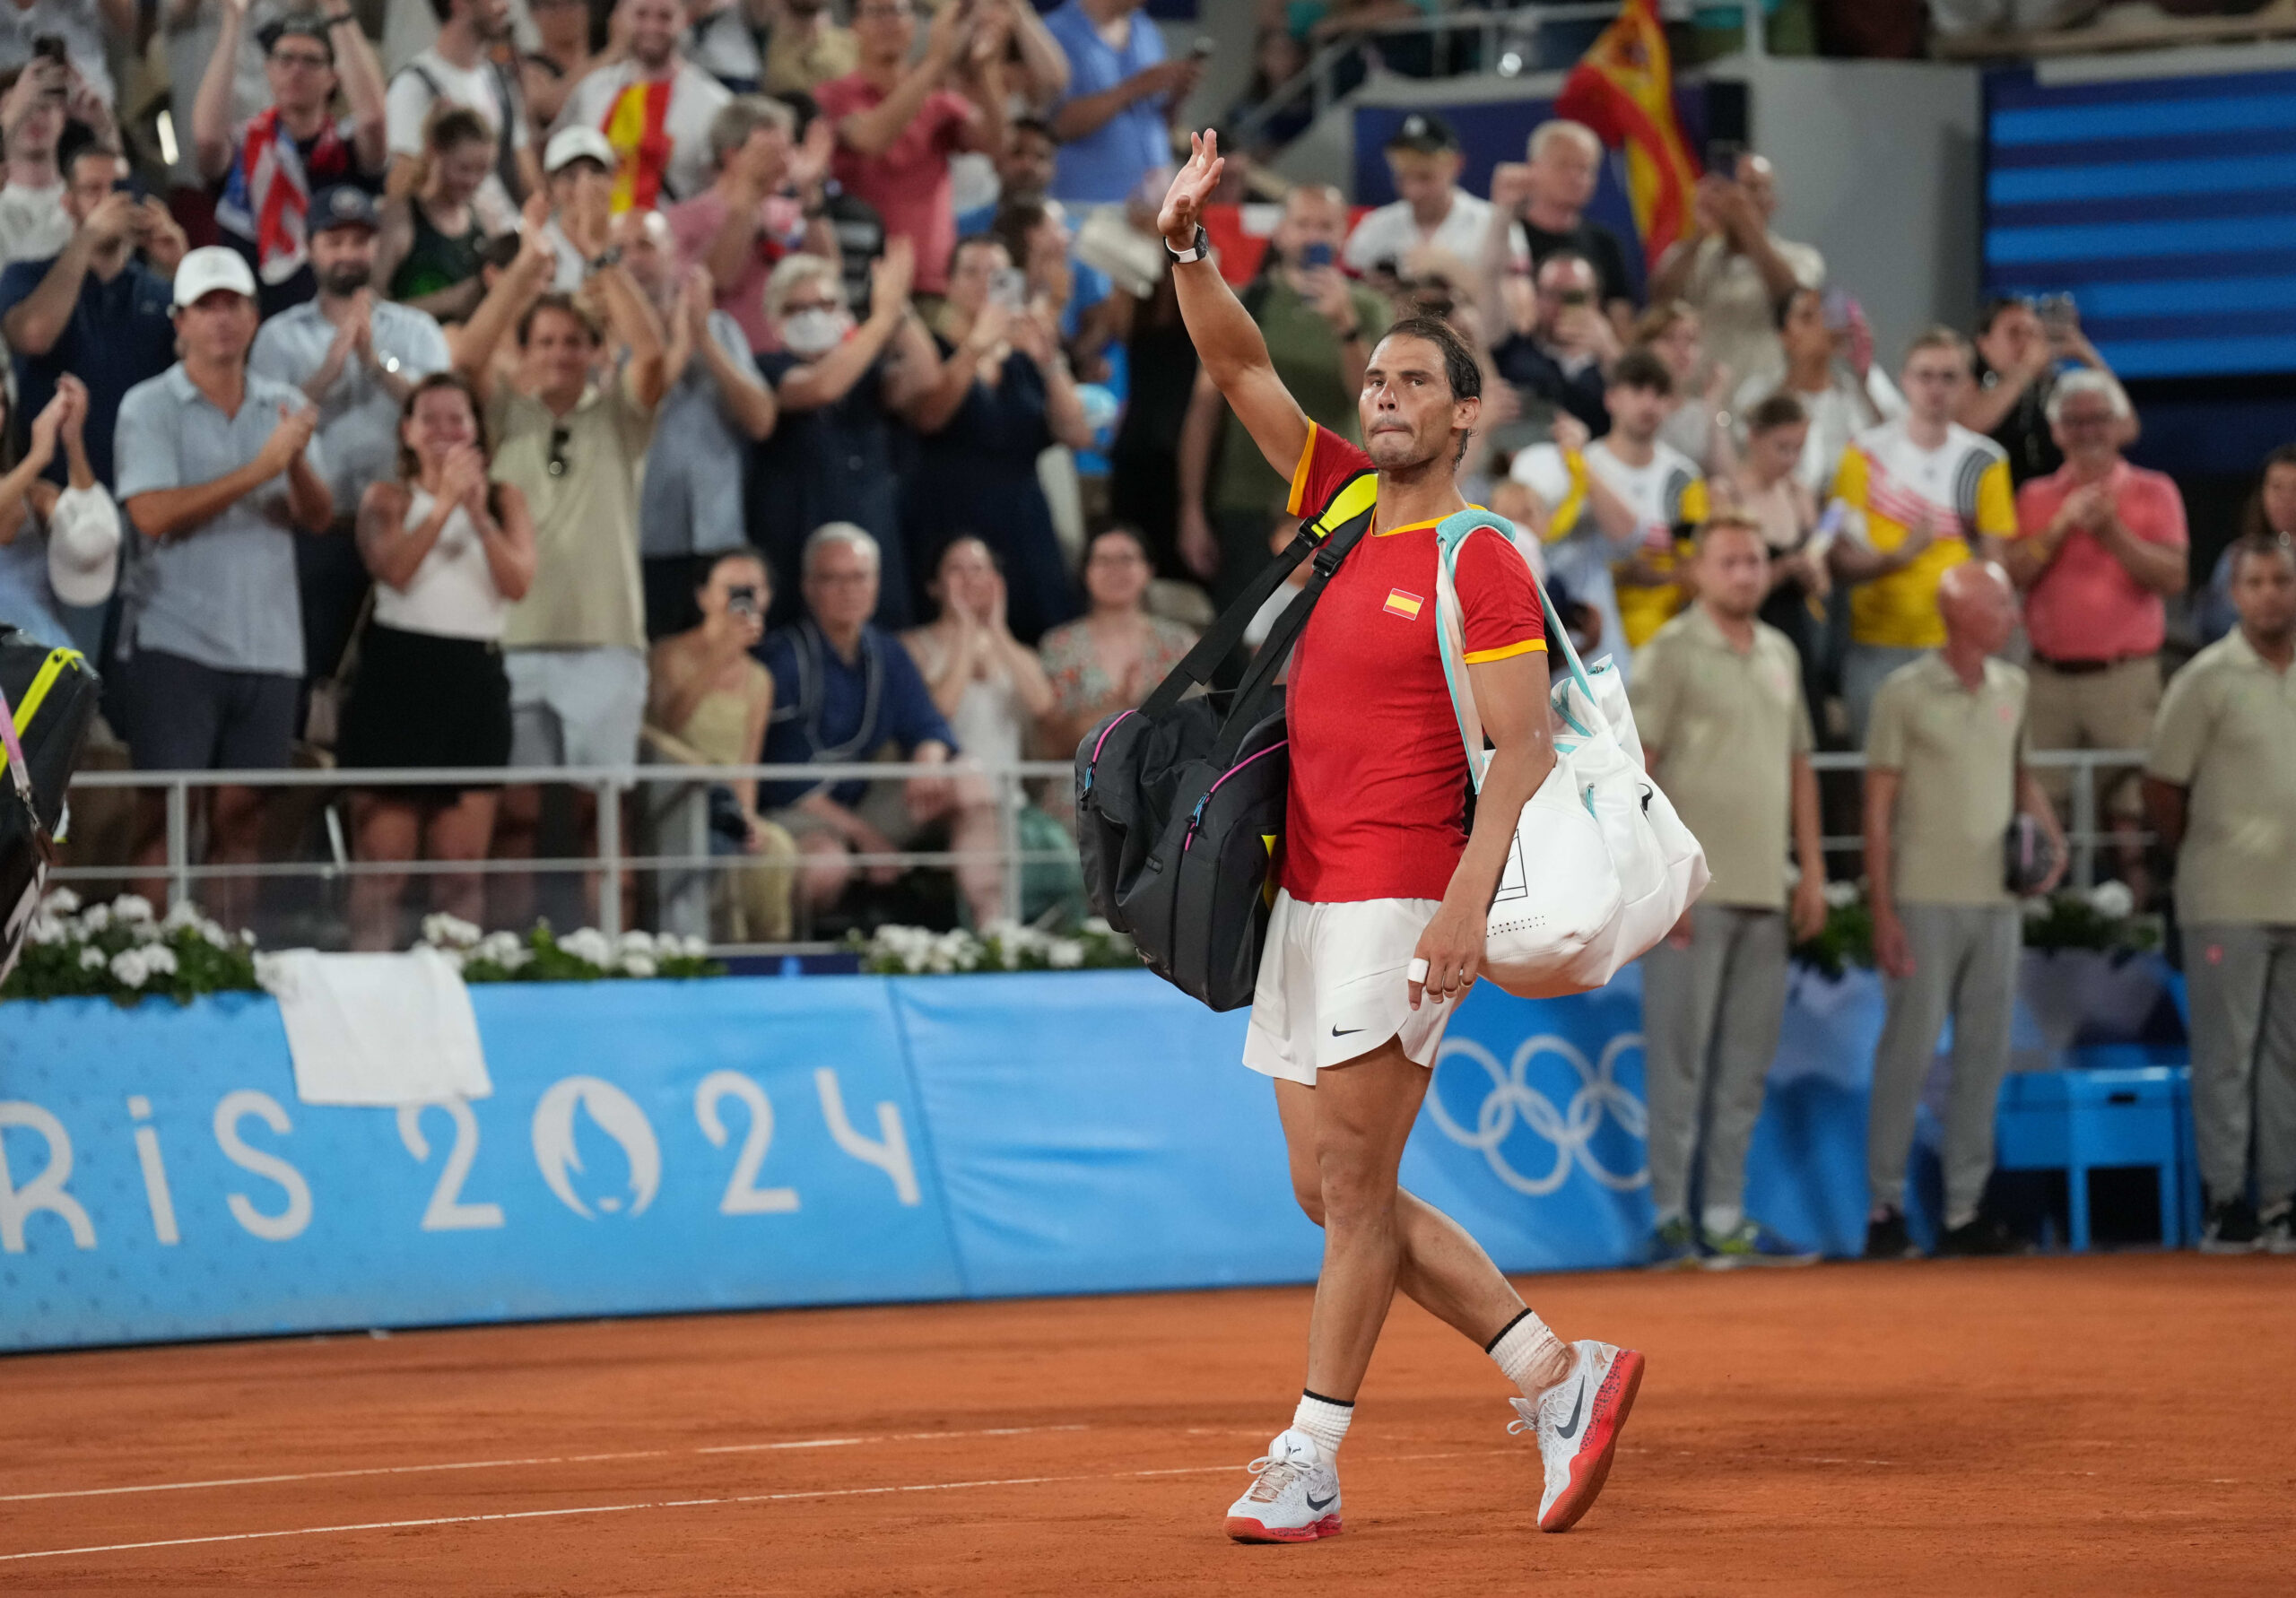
[[1380, 875]]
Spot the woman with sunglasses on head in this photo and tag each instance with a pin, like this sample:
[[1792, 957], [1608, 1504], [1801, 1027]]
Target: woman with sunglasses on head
[[449, 552]]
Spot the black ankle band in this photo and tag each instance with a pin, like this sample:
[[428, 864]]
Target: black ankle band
[[1344, 1403], [1499, 1337]]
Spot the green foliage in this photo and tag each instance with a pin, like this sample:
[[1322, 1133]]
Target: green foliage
[[120, 952]]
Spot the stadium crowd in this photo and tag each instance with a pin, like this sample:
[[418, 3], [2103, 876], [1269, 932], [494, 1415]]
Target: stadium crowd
[[781, 382]]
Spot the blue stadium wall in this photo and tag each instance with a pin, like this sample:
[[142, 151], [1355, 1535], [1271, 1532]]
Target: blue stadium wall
[[655, 1147]]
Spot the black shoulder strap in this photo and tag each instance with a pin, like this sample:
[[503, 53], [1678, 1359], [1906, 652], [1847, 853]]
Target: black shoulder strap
[[1254, 694], [1352, 501]]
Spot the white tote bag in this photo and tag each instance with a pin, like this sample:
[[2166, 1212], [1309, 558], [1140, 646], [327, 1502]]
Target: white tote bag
[[1601, 867]]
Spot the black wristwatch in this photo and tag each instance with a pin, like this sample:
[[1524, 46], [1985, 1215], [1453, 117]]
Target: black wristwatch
[[1197, 251], [609, 257]]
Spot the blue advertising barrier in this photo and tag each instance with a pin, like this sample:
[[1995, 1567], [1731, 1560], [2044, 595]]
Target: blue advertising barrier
[[656, 1147]]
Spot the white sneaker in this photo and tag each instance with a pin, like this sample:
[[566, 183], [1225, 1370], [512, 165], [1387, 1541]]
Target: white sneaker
[[1576, 1422], [1296, 1498]]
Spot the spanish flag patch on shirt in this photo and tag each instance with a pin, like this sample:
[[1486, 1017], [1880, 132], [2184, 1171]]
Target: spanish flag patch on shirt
[[1403, 605]]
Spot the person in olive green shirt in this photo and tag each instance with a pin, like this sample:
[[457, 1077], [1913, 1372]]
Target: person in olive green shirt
[[1717, 702], [1945, 773], [2220, 786], [1319, 329]]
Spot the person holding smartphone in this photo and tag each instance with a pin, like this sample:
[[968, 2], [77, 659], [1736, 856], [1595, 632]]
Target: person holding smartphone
[[709, 703]]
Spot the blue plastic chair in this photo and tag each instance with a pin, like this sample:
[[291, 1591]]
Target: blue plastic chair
[[2077, 1121]]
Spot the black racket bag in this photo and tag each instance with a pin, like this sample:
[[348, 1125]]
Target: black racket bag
[[47, 702]]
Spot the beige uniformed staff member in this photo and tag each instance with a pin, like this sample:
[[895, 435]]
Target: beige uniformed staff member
[[1717, 699], [2222, 789], [1944, 774]]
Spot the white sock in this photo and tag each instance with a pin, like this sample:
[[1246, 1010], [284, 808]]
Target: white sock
[[1325, 1419], [1720, 1219], [1533, 1357]]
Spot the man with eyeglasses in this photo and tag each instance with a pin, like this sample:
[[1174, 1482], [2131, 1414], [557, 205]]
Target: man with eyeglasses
[[1912, 499], [271, 166], [2100, 544], [573, 443]]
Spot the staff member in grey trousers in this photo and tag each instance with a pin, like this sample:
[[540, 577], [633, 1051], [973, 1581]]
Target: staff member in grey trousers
[[2221, 787], [1945, 772], [1717, 701]]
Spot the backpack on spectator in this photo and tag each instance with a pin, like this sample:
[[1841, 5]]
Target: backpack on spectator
[[1180, 807], [47, 702]]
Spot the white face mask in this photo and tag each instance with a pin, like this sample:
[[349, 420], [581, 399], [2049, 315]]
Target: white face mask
[[814, 333]]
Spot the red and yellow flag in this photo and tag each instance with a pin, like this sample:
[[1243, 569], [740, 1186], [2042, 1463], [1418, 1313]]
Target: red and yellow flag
[[634, 125], [1624, 89]]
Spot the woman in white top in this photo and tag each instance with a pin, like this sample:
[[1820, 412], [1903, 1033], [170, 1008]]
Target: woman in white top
[[1699, 426], [991, 689], [449, 551]]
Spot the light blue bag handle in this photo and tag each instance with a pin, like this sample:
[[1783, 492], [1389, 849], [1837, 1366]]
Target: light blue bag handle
[[1451, 533]]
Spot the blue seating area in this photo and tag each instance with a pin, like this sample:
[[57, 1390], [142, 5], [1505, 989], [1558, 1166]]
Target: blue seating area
[[2099, 1117]]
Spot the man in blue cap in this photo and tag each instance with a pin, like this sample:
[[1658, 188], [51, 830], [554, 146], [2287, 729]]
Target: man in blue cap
[[355, 356]]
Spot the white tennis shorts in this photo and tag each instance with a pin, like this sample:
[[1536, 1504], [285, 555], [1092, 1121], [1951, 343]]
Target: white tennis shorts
[[1333, 984]]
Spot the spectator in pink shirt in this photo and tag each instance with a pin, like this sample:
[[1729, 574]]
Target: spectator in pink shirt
[[756, 209], [2100, 544], [898, 124]]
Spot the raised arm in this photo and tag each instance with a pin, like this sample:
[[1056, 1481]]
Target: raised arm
[[1234, 354], [472, 346], [364, 91], [872, 132], [210, 110], [631, 318]]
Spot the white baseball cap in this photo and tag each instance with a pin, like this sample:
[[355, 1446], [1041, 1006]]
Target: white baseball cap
[[208, 268], [578, 143], [84, 547]]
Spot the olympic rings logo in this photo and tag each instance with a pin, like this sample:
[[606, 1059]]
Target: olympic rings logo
[[1572, 1130]]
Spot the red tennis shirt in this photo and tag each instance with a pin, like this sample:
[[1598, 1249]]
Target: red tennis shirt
[[1378, 802]]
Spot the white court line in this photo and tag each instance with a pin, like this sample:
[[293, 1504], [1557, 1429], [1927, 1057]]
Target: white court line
[[754, 1497], [496, 1465]]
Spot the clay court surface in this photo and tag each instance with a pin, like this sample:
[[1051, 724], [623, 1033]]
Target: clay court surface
[[2100, 1424]]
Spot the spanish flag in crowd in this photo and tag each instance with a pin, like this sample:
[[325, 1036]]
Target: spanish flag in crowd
[[634, 125], [1624, 89]]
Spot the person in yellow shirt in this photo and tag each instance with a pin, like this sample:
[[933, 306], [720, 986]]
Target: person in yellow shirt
[[1912, 499]]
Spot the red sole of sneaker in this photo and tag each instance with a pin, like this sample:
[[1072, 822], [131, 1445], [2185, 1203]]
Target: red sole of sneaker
[[1592, 1467], [1245, 1530]]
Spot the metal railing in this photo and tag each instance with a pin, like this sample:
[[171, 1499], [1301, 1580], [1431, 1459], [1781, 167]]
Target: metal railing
[[614, 857], [1502, 35], [2082, 833]]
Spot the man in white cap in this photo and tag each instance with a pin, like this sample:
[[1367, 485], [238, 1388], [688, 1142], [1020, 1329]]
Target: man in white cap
[[217, 469], [577, 175], [59, 548]]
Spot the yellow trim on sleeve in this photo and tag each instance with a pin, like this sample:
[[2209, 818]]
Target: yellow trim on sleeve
[[1300, 473], [1485, 657]]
